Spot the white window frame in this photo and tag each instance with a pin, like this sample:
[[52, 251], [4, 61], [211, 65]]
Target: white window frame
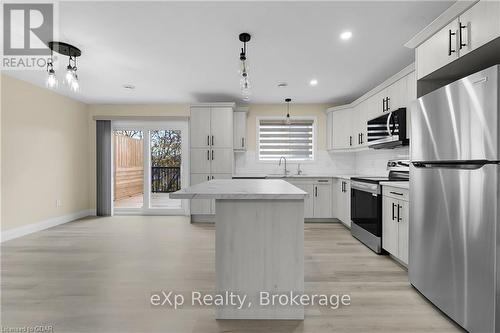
[[314, 136]]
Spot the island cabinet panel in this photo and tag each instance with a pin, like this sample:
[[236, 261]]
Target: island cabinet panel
[[260, 248]]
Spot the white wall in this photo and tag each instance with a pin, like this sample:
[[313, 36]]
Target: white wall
[[45, 149]]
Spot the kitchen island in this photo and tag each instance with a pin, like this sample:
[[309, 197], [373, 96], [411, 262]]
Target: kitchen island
[[259, 243]]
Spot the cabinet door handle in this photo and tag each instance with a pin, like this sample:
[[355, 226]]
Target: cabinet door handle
[[213, 178], [208, 155], [361, 135], [315, 191], [460, 35], [387, 104], [350, 140], [208, 178], [212, 154], [450, 34], [393, 205], [242, 142], [383, 104], [208, 140], [399, 219], [396, 193], [212, 140]]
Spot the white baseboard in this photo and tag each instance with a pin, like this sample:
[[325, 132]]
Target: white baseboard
[[49, 223]]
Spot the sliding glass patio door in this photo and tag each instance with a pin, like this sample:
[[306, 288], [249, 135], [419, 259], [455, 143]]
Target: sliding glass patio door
[[149, 163]]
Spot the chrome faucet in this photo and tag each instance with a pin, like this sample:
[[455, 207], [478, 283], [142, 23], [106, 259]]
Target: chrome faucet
[[279, 164]]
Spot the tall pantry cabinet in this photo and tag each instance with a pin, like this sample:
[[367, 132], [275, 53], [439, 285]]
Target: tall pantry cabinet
[[211, 148]]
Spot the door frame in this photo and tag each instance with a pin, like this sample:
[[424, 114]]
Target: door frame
[[146, 126]]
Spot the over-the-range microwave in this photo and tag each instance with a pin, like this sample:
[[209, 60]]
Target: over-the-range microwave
[[388, 130]]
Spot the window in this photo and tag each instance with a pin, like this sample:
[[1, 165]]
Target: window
[[294, 141]]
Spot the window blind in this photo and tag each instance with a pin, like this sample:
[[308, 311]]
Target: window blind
[[293, 141]]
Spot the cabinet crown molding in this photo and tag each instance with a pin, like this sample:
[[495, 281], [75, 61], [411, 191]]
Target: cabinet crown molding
[[394, 78]]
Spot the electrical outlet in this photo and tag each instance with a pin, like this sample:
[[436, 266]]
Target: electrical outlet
[[58, 203]]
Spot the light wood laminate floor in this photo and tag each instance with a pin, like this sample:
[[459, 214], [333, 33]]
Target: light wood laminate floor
[[97, 275]]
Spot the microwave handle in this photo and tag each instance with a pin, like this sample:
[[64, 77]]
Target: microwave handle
[[388, 124]]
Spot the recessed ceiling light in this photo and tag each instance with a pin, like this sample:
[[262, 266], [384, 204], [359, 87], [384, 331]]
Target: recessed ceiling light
[[282, 84], [346, 35], [313, 82], [129, 86]]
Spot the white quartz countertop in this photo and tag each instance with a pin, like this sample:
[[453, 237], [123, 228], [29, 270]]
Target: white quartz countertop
[[405, 185], [271, 189]]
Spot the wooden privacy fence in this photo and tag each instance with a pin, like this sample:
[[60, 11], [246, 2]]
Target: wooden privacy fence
[[129, 166]]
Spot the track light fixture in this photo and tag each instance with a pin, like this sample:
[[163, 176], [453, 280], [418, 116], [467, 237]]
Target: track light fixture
[[244, 81], [71, 78]]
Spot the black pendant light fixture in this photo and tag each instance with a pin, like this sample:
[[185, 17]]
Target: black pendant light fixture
[[288, 121], [244, 81], [71, 78]]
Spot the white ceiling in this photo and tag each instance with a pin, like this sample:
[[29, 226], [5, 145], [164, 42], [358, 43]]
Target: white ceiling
[[184, 52]]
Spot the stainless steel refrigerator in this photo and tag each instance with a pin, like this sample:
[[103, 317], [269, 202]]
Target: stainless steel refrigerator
[[454, 257]]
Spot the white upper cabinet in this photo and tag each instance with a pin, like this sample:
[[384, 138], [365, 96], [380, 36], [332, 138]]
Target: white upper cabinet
[[221, 122], [342, 129], [347, 125], [473, 28], [437, 51], [240, 131], [329, 130], [200, 127], [479, 25]]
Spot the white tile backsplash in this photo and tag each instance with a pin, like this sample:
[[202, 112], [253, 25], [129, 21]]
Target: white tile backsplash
[[366, 162], [325, 163], [374, 162]]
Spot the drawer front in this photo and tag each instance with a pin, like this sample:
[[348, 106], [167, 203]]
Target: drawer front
[[323, 181], [396, 193]]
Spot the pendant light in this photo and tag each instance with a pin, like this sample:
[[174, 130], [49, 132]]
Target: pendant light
[[51, 81], [244, 81], [288, 121], [71, 78]]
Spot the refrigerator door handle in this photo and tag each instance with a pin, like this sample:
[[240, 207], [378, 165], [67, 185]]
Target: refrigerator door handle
[[465, 165]]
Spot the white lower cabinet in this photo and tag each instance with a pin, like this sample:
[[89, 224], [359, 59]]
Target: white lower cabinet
[[342, 189], [318, 203], [395, 216]]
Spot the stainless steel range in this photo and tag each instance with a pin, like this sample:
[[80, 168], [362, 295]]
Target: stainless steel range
[[366, 204]]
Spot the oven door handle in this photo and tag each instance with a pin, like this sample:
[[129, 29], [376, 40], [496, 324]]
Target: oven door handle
[[370, 188]]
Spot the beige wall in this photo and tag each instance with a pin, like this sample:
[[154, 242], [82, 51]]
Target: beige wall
[[279, 110], [45, 149], [125, 110]]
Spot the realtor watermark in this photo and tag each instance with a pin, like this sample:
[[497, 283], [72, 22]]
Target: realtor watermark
[[28, 329], [170, 299], [28, 27]]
